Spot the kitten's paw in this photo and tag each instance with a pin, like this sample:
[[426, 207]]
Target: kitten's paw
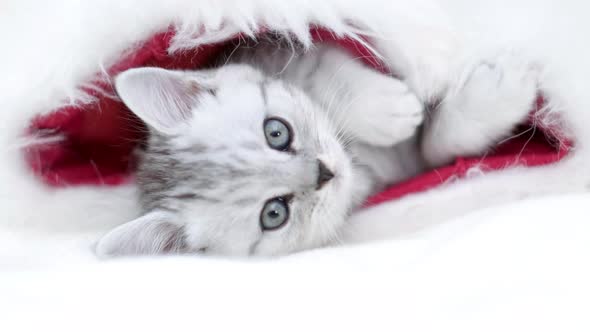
[[501, 90], [385, 113], [484, 108]]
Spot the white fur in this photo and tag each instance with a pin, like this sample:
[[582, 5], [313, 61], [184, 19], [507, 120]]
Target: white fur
[[481, 108], [216, 149], [338, 111], [373, 108], [50, 55]]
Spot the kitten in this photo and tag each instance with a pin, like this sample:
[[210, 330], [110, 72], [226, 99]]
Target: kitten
[[270, 153]]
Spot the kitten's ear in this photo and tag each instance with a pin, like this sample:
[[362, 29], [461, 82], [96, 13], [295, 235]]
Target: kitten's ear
[[162, 98], [150, 234]]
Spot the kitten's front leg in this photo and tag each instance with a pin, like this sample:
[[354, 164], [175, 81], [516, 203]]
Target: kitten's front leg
[[484, 106], [372, 107]]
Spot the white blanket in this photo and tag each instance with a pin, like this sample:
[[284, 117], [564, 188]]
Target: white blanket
[[520, 267]]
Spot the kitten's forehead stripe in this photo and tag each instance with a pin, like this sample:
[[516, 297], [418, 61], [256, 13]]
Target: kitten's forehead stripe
[[170, 178], [192, 196], [238, 160], [244, 201], [196, 149], [250, 145]]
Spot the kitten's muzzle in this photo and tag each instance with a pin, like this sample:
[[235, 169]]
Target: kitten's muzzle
[[324, 175]]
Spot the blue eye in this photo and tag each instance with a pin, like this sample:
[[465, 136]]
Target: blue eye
[[275, 214], [278, 134]]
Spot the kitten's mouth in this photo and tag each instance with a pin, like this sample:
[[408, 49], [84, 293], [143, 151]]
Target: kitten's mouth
[[93, 144]]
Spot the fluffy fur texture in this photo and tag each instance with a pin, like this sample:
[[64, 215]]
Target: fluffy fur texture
[[209, 165], [45, 70], [208, 171], [214, 171]]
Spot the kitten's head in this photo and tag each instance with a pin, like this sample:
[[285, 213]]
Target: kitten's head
[[236, 164]]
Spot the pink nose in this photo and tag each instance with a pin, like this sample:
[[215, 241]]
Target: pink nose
[[324, 175]]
